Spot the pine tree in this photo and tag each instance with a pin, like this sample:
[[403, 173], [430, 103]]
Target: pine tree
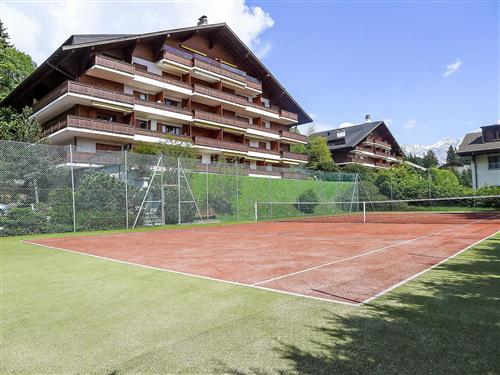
[[4, 37], [451, 156], [430, 160]]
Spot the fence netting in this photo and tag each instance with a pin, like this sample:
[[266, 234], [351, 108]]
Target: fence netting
[[46, 189]]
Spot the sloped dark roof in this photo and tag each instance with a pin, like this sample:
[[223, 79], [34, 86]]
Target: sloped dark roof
[[473, 143], [355, 134], [58, 66]]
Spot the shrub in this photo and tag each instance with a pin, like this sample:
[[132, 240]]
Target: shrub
[[307, 196]]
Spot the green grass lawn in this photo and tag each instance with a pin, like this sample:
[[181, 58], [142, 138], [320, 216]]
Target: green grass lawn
[[69, 313]]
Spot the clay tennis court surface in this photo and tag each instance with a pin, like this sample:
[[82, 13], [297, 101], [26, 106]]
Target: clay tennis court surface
[[350, 263]]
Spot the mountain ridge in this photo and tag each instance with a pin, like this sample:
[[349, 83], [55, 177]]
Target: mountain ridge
[[440, 148]]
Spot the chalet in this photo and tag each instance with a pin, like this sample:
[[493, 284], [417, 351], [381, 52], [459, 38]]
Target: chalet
[[370, 144], [484, 149]]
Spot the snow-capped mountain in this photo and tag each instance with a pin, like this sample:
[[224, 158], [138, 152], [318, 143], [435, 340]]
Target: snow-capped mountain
[[440, 148]]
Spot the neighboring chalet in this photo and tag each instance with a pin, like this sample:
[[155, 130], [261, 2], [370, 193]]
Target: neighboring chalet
[[370, 144], [484, 149], [199, 85]]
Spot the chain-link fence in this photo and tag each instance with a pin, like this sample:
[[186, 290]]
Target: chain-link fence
[[46, 188]]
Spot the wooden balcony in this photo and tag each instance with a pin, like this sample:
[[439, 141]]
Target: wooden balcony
[[294, 156], [204, 90], [194, 60], [287, 114], [82, 89], [163, 106], [87, 123], [216, 143], [212, 117], [291, 135], [264, 151]]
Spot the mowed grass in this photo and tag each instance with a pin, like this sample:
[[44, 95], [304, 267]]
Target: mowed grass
[[70, 313]]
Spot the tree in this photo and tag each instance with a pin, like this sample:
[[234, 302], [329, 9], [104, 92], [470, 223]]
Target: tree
[[430, 160], [415, 159], [19, 126], [15, 65], [4, 37], [318, 152], [451, 155]]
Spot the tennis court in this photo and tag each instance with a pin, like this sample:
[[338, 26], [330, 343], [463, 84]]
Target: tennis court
[[330, 257]]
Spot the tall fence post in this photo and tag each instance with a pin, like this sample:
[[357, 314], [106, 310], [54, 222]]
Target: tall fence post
[[162, 191], [126, 187], [179, 219], [237, 193], [72, 186]]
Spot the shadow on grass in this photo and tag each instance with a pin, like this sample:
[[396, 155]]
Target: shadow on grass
[[447, 321]]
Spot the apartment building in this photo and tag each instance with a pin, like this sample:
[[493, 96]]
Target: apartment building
[[200, 86], [370, 144]]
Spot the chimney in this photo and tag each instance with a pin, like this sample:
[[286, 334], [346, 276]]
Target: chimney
[[368, 118], [202, 21]]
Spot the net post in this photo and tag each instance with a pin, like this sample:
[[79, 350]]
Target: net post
[[206, 185], [255, 211], [126, 188], [364, 212], [72, 186]]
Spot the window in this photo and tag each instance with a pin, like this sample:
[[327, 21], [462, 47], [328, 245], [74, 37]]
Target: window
[[496, 134], [142, 124], [493, 162], [106, 117], [171, 102], [169, 129], [140, 95]]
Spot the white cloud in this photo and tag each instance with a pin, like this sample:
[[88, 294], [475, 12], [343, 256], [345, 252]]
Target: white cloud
[[452, 68], [412, 124], [39, 28]]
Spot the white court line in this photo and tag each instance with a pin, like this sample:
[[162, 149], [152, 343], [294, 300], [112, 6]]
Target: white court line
[[256, 286], [366, 253], [195, 275], [368, 300]]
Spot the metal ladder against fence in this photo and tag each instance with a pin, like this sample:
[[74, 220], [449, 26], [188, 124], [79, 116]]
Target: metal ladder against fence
[[181, 175]]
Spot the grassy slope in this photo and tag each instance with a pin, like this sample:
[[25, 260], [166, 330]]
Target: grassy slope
[[64, 312], [255, 189]]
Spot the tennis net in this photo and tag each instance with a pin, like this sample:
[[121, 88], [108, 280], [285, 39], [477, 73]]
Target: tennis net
[[454, 210]]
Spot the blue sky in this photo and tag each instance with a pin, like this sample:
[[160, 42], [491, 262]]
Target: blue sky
[[431, 69]]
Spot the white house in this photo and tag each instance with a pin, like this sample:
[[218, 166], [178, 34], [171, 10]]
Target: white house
[[484, 149]]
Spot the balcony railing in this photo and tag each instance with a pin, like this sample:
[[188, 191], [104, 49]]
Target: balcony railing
[[291, 135], [80, 88], [264, 151], [212, 117], [288, 114], [206, 63], [216, 143], [294, 156], [123, 66], [220, 95], [163, 106], [87, 123], [272, 108]]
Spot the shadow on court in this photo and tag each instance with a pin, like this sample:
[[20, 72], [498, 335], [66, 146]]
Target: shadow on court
[[445, 322]]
